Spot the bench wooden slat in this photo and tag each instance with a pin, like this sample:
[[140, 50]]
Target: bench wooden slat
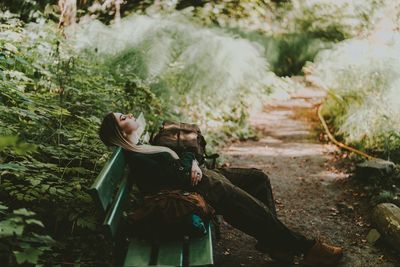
[[170, 254], [138, 253], [201, 250], [103, 188], [114, 213]]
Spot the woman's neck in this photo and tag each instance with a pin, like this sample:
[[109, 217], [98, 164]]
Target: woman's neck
[[133, 138]]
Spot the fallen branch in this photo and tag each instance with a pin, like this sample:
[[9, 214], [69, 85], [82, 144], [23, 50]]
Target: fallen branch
[[339, 144]]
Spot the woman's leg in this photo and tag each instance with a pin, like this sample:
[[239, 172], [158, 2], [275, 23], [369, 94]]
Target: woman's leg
[[248, 214], [253, 181]]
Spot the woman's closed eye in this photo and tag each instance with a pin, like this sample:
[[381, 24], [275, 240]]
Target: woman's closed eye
[[122, 117]]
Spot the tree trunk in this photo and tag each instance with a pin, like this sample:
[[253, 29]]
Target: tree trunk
[[68, 13]]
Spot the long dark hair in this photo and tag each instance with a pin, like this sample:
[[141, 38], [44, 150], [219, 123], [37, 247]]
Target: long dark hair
[[111, 135], [108, 129]]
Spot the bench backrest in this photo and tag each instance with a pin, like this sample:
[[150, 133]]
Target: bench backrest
[[110, 190]]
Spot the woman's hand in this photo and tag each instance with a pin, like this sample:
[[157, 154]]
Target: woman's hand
[[196, 173]]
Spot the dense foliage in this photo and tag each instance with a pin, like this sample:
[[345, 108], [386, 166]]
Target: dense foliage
[[332, 20], [53, 101]]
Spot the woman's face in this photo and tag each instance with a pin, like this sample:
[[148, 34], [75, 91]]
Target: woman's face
[[126, 122]]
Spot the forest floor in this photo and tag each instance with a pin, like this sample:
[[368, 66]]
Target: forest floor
[[312, 185]]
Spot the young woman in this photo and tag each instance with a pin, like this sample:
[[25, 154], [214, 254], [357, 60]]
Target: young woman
[[243, 196]]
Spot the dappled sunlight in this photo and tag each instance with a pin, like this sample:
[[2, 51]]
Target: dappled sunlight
[[285, 133], [270, 140], [290, 133], [287, 149], [330, 175]]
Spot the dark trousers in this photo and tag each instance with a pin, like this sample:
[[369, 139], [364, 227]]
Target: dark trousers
[[244, 197]]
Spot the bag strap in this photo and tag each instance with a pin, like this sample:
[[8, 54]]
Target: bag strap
[[214, 159], [152, 137]]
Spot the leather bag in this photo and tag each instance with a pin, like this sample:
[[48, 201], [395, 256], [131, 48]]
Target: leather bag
[[171, 214], [183, 137]]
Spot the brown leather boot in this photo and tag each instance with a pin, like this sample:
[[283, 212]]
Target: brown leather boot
[[282, 256], [279, 255], [322, 254]]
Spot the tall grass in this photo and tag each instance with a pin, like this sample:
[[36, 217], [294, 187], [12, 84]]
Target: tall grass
[[363, 82]]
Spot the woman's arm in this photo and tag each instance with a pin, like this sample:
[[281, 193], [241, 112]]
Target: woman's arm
[[197, 174], [158, 171], [191, 166]]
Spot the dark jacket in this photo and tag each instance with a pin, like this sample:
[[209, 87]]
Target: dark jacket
[[153, 172]]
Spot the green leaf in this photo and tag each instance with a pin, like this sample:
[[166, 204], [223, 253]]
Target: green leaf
[[87, 222], [45, 187], [10, 61], [12, 167], [62, 111], [11, 47], [30, 255], [9, 228], [21, 60], [8, 140], [16, 219], [20, 196], [35, 182], [24, 245], [44, 238], [53, 191], [61, 191], [23, 212], [20, 148], [34, 221], [23, 148]]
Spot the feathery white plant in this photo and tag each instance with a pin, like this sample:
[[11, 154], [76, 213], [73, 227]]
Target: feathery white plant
[[363, 79], [187, 64]]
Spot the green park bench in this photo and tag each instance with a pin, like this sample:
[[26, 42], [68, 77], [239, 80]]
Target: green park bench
[[110, 191]]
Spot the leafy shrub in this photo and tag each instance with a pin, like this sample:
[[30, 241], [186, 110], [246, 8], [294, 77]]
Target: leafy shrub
[[27, 10], [20, 238], [333, 20], [287, 53], [248, 15], [51, 102]]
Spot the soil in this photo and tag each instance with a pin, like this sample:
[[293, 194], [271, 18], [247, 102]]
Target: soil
[[315, 194]]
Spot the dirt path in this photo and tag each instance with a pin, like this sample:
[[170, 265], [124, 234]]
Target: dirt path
[[313, 196]]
